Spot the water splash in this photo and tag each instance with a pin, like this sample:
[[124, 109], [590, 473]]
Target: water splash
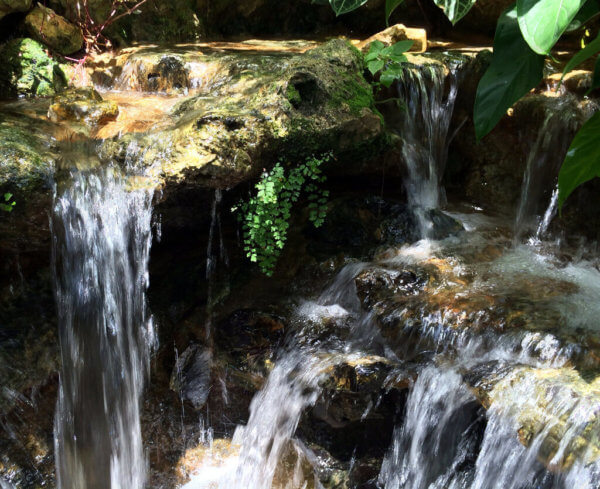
[[102, 235]]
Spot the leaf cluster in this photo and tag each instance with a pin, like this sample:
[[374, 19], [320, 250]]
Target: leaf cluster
[[8, 203], [265, 216], [387, 60]]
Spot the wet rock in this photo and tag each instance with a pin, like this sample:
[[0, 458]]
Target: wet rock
[[27, 70], [46, 26], [84, 105], [554, 408], [191, 377], [397, 33], [355, 225], [251, 337], [328, 107], [10, 6], [375, 285], [352, 388]]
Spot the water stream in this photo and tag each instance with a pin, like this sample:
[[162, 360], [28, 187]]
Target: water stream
[[102, 235]]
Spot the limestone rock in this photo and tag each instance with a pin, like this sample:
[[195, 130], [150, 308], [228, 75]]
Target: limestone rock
[[58, 33], [10, 6], [260, 106], [396, 33], [27, 70], [82, 105]]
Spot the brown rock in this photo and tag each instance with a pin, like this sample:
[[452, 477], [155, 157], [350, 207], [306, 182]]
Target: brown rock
[[397, 33]]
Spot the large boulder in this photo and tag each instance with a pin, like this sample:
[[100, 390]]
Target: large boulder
[[258, 109], [28, 70], [45, 25]]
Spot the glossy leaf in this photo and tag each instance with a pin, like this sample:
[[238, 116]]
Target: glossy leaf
[[344, 6], [455, 9], [583, 55], [390, 6], [515, 69], [582, 162], [588, 11], [542, 22]]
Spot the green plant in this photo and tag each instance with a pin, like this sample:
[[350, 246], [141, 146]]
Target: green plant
[[8, 203], [454, 9], [387, 60], [525, 34], [265, 216]]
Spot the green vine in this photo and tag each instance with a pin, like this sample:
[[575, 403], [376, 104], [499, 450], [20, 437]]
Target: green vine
[[265, 216]]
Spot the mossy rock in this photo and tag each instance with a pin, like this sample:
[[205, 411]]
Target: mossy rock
[[82, 105], [11, 6], [48, 27], [259, 108], [27, 70]]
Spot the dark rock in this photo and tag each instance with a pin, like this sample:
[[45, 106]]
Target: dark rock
[[191, 375]]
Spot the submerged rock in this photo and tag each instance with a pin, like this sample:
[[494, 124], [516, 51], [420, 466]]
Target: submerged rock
[[27, 70], [82, 105], [46, 26]]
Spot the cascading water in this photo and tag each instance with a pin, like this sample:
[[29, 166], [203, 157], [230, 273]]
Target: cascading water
[[102, 236], [543, 163], [429, 94]]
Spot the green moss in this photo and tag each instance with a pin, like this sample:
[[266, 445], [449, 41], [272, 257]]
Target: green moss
[[26, 163], [293, 95], [26, 69]]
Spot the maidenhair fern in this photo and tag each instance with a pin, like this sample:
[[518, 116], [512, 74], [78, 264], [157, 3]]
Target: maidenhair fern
[[265, 216]]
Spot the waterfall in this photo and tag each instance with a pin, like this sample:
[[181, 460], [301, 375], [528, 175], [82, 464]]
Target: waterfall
[[429, 94], [101, 241], [543, 162], [436, 437]]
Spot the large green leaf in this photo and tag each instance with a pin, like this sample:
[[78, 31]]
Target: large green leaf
[[596, 76], [587, 12], [515, 69], [455, 9], [582, 162], [542, 22], [344, 6], [390, 6], [586, 53]]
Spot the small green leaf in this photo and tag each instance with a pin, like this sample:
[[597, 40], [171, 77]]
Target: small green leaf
[[7, 196], [515, 69], [390, 6], [542, 22], [582, 162], [398, 48], [375, 66]]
